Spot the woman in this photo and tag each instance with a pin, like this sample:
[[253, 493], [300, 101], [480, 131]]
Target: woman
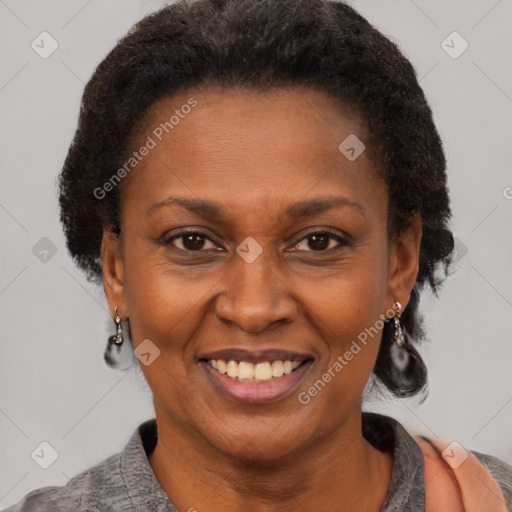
[[261, 190]]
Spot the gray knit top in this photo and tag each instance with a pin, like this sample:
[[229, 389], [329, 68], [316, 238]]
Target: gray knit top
[[125, 482]]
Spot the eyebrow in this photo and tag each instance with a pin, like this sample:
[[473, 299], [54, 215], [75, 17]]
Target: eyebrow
[[298, 210]]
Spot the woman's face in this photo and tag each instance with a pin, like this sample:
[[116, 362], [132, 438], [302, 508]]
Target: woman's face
[[259, 179]]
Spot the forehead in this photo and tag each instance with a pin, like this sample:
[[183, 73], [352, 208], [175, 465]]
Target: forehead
[[300, 114], [247, 147]]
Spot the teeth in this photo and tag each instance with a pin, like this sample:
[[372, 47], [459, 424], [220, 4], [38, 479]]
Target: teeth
[[249, 372], [277, 369], [262, 371], [222, 366], [232, 369], [245, 370]]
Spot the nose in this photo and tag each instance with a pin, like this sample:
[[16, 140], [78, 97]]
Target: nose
[[255, 295]]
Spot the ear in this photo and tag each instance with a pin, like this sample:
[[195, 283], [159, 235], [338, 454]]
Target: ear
[[113, 272], [404, 262]]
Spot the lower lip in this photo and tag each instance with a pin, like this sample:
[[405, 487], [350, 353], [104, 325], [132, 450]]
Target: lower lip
[[256, 392]]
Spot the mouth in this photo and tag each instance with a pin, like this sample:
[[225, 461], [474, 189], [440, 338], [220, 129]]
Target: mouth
[[255, 377], [245, 371]]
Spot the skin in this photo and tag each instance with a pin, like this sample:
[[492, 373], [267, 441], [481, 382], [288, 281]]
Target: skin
[[255, 154]]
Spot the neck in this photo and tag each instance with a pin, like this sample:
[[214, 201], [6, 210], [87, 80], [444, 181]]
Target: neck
[[334, 474]]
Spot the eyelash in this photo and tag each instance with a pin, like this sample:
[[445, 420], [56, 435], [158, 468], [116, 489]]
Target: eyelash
[[342, 241]]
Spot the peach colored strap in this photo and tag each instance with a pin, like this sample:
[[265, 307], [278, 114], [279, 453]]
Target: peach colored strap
[[464, 485]]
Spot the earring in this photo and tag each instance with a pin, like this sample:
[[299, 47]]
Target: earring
[[118, 337], [399, 351], [119, 355], [406, 373]]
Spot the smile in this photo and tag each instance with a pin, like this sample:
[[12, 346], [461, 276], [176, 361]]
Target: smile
[[245, 371], [255, 377]]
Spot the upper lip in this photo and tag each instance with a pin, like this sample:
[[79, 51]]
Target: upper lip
[[255, 356]]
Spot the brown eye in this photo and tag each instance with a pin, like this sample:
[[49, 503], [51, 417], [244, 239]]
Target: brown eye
[[193, 242], [320, 241], [190, 240]]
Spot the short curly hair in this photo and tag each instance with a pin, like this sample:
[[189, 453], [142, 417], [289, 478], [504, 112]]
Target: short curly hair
[[322, 44]]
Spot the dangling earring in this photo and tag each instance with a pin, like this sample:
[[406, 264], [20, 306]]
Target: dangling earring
[[119, 355], [407, 373], [399, 352], [118, 337]]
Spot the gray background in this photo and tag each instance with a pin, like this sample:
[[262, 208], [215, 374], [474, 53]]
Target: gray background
[[54, 384]]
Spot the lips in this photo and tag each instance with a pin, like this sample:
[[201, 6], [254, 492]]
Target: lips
[[255, 376]]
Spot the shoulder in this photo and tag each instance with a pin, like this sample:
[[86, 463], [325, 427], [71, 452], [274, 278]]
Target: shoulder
[[47, 499], [93, 489], [123, 482], [387, 434], [501, 472], [483, 477]]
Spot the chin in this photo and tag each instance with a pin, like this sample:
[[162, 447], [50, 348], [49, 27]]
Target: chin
[[268, 445]]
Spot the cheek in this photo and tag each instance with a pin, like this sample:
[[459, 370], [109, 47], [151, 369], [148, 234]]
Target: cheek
[[351, 300], [350, 324], [164, 307], [167, 311], [348, 316]]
